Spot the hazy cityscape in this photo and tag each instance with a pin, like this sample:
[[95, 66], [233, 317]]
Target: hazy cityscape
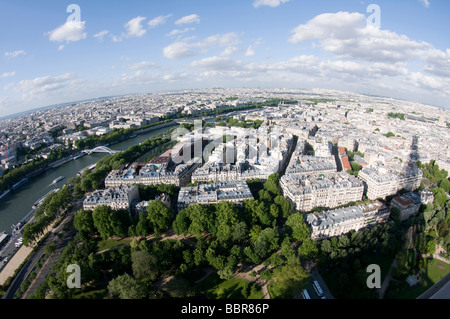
[[230, 189]]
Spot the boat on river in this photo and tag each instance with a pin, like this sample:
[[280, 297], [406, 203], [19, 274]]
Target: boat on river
[[56, 180]]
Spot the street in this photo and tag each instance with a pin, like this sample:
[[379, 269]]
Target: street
[[38, 253]]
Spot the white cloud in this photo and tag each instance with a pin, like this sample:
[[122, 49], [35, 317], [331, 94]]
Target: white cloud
[[347, 35], [134, 27], [438, 63], [229, 51], [427, 82], [367, 54], [426, 3], [141, 65], [250, 51], [313, 71], [218, 63], [227, 66], [340, 25], [116, 38], [158, 21], [251, 48], [42, 85], [178, 32], [184, 48], [14, 54], [193, 18], [61, 47], [8, 74], [269, 3], [175, 76], [71, 31], [100, 35]]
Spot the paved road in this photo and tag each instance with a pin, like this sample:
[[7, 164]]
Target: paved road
[[36, 255], [443, 293], [25, 271], [326, 291], [10, 248], [47, 266], [440, 290]]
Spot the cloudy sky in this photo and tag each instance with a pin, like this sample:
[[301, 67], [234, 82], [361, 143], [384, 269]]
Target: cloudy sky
[[52, 51]]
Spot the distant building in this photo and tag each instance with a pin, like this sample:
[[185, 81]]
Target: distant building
[[340, 221], [347, 142], [343, 158], [358, 159], [322, 147], [249, 156], [442, 119], [408, 204], [305, 164], [116, 198], [231, 191]]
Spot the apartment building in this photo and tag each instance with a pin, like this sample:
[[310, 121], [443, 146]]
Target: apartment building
[[321, 190], [232, 191], [340, 221], [116, 198], [408, 204], [381, 182]]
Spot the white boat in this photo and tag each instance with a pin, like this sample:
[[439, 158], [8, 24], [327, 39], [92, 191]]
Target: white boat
[[40, 200], [56, 180]]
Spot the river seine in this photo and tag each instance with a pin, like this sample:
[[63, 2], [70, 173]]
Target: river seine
[[18, 203]]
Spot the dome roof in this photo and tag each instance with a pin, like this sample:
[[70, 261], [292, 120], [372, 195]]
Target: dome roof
[[316, 222]]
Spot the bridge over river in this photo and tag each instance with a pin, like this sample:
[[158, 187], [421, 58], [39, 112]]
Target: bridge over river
[[100, 149]]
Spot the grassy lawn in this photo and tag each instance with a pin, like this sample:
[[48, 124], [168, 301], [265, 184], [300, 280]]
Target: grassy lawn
[[111, 243], [216, 288], [435, 271]]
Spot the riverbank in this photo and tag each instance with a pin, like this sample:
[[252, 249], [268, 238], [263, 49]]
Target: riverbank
[[15, 205], [77, 155]]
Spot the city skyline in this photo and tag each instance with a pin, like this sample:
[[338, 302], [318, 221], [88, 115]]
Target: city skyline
[[60, 53]]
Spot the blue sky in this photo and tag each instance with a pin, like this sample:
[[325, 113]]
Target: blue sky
[[48, 55]]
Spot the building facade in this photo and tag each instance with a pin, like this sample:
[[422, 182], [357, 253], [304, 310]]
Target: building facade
[[150, 174], [116, 198], [381, 183], [232, 191], [408, 205], [321, 190], [340, 221]]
